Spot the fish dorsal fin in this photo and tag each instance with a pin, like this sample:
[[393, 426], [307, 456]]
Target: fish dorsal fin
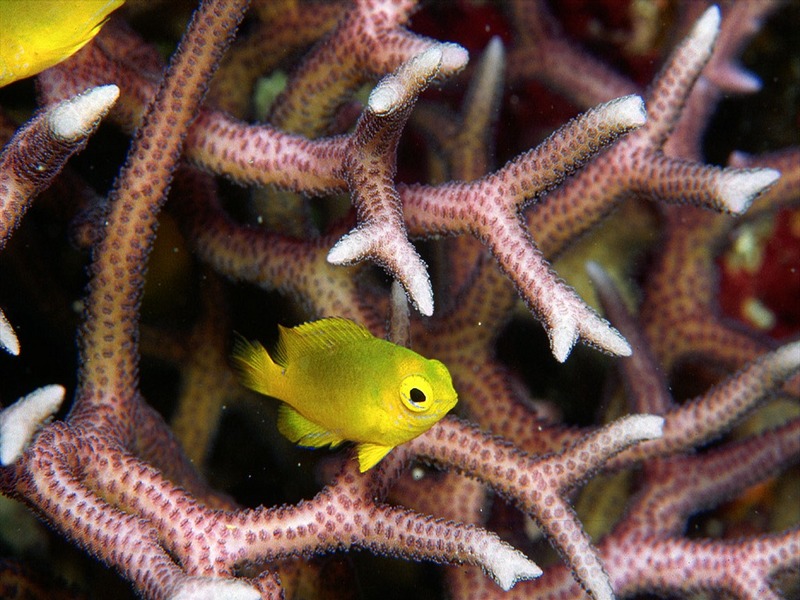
[[314, 336], [370, 455], [300, 430]]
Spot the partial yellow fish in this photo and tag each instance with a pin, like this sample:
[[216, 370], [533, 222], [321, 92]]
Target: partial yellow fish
[[340, 383], [37, 34]]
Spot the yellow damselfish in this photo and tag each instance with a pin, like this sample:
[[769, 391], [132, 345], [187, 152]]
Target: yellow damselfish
[[340, 383], [37, 34]]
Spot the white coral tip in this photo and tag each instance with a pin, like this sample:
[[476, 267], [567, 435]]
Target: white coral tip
[[385, 98], [636, 428], [706, 28], [398, 88], [76, 117], [613, 342], [742, 81], [787, 358], [20, 421], [350, 248], [427, 63], [8, 339], [495, 51], [627, 110], [421, 293], [600, 333], [740, 188], [507, 566], [454, 58], [563, 336], [207, 588], [598, 276]]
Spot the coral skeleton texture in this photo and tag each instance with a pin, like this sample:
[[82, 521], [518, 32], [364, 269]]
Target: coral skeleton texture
[[296, 159]]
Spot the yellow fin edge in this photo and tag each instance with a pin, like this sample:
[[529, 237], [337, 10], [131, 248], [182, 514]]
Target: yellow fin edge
[[321, 335], [296, 428], [370, 455], [252, 363]]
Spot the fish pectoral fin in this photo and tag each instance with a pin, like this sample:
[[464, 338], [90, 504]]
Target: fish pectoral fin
[[370, 455], [300, 430]]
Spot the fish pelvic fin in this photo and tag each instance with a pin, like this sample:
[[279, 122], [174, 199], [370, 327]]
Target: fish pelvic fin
[[296, 428], [370, 454], [253, 364]]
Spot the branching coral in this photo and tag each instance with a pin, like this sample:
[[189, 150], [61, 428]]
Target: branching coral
[[35, 155], [146, 497]]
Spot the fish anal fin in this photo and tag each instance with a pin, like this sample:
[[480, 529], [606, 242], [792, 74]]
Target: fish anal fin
[[370, 455], [303, 432]]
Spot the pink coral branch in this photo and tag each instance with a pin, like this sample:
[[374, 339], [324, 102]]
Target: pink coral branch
[[687, 268], [271, 260], [542, 52], [369, 167], [35, 155], [38, 151], [637, 166], [691, 482], [489, 209], [344, 514], [743, 569], [369, 39], [118, 268], [700, 419], [538, 484]]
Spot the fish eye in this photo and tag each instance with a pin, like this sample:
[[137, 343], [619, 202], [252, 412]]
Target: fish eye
[[416, 392], [417, 396]]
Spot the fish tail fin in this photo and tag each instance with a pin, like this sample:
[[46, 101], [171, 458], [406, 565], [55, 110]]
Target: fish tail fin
[[253, 364]]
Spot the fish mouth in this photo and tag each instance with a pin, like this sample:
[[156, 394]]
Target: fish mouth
[[450, 404]]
